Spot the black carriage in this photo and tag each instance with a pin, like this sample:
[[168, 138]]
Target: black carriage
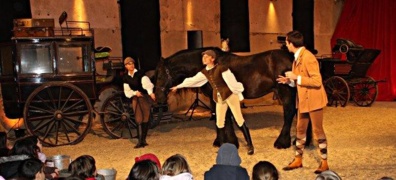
[[52, 82], [344, 76]]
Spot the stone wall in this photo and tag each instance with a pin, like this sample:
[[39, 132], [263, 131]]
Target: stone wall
[[268, 19]]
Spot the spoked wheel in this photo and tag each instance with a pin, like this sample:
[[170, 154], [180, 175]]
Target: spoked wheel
[[117, 116], [365, 91], [58, 113], [337, 91]]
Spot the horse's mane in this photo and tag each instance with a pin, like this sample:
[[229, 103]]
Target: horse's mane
[[192, 51]]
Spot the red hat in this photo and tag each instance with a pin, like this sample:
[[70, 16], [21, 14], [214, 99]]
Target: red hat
[[150, 157]]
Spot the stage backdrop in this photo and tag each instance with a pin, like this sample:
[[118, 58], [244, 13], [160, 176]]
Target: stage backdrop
[[370, 23]]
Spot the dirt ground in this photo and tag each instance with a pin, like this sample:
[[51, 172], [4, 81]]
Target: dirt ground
[[361, 142]]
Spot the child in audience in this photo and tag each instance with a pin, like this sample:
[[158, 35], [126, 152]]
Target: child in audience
[[176, 168], [83, 167], [31, 169], [227, 165], [40, 153], [328, 175], [151, 157], [30, 146], [144, 170], [265, 170]]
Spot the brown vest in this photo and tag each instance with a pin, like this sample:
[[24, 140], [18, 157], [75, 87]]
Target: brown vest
[[220, 87]]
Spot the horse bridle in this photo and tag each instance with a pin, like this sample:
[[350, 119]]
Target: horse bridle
[[169, 78]]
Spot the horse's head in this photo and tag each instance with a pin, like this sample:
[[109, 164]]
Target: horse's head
[[225, 45], [163, 81]]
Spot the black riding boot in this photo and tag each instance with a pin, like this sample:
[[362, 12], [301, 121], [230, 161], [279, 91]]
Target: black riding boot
[[145, 128], [221, 137], [246, 134], [140, 137]]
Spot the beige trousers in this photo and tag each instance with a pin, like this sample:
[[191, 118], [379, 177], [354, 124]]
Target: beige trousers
[[316, 118], [221, 109]]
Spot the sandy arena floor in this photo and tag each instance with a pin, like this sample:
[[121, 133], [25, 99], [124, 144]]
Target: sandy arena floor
[[361, 142]]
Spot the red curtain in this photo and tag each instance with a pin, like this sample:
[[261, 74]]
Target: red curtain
[[372, 24]]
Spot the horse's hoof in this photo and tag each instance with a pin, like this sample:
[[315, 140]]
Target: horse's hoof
[[279, 145], [250, 150], [216, 143], [140, 145]]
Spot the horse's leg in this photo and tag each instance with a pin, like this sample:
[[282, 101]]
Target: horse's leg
[[287, 96], [309, 138], [229, 128]]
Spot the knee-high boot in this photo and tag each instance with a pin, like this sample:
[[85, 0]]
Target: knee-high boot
[[222, 136], [140, 136], [219, 137], [248, 138], [145, 128]]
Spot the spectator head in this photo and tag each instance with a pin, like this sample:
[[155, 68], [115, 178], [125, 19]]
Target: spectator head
[[32, 169], [25, 146], [386, 178], [151, 157], [328, 175], [228, 155], [36, 141], [175, 165], [265, 170], [84, 167], [144, 170], [74, 178]]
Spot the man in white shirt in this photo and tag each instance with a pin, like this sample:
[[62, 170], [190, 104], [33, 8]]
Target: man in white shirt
[[227, 92], [139, 86]]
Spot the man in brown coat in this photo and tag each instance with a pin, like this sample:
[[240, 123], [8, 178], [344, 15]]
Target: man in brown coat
[[311, 99]]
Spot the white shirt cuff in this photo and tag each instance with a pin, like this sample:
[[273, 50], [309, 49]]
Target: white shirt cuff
[[299, 80]]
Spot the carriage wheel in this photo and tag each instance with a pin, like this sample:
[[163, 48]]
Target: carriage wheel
[[118, 118], [365, 92], [58, 113], [337, 91]]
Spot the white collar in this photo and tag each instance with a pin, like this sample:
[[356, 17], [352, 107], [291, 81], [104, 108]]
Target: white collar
[[209, 68], [134, 71], [297, 53]]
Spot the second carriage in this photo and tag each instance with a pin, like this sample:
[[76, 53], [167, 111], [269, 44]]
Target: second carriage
[[345, 77]]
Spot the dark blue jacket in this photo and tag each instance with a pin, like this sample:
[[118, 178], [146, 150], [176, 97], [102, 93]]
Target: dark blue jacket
[[226, 172]]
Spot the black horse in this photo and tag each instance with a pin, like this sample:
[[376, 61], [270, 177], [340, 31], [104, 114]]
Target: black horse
[[256, 72]]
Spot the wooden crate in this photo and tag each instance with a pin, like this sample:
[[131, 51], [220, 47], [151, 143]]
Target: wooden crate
[[33, 32]]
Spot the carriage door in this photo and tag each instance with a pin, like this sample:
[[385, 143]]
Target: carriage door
[[9, 87], [74, 64]]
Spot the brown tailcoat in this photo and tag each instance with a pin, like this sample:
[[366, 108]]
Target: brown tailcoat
[[311, 94]]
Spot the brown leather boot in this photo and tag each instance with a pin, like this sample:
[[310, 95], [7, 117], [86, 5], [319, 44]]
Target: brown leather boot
[[297, 163], [322, 167]]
